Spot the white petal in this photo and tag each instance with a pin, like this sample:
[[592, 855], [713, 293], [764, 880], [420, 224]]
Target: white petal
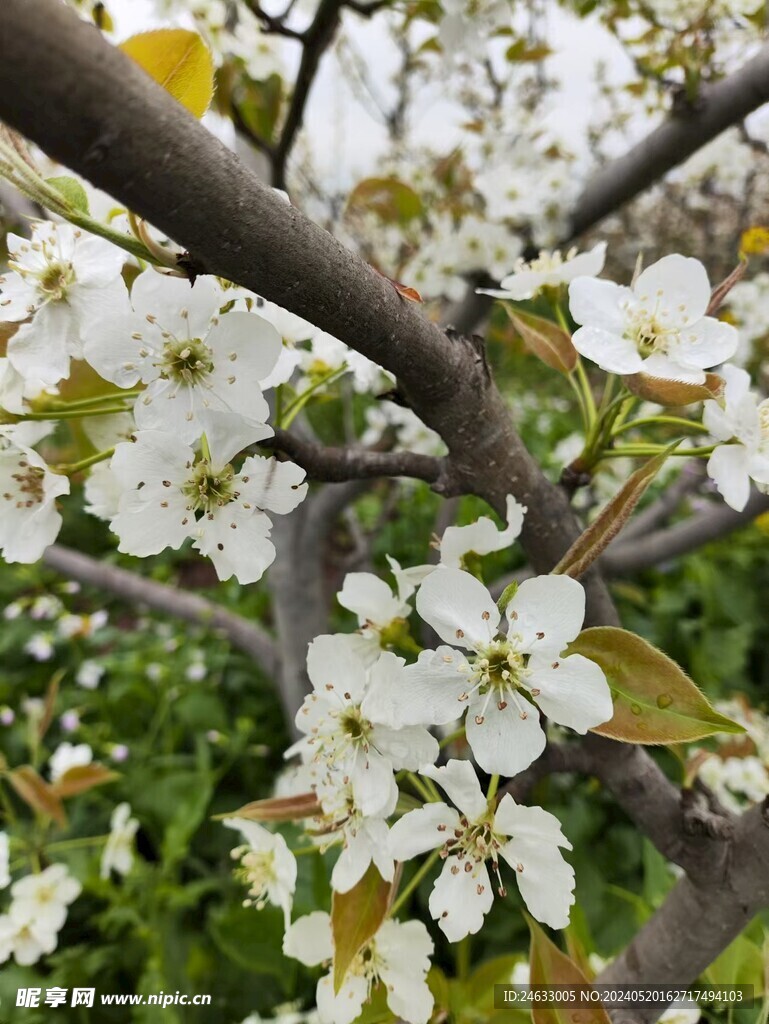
[[456, 902], [333, 666], [459, 608], [271, 485], [705, 343], [598, 304], [482, 536], [425, 829], [41, 350], [612, 352], [372, 783], [309, 940], [405, 950], [680, 281], [346, 1005], [575, 693], [410, 747], [547, 612], [370, 599], [531, 823], [243, 552], [255, 345], [504, 743], [352, 863], [167, 298], [728, 469], [546, 881], [426, 693], [459, 781]]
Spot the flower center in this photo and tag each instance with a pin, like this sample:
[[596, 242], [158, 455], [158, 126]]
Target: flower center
[[209, 489], [499, 673], [56, 279], [471, 845], [188, 362], [652, 325], [257, 872]]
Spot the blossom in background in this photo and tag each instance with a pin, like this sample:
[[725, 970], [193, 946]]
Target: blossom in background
[[398, 955], [658, 326], [5, 877], [14, 389], [265, 865], [68, 756], [89, 674], [342, 734], [381, 613], [29, 520], [169, 495], [196, 363], [736, 781], [63, 279], [38, 910], [481, 537], [363, 838], [743, 421], [40, 646], [548, 270], [527, 838], [503, 679], [118, 853]]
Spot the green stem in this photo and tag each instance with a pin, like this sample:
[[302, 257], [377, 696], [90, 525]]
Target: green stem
[[581, 399], [491, 792], [77, 844], [585, 384], [462, 958], [73, 414], [414, 882], [420, 785], [85, 403], [676, 421], [294, 408], [205, 448], [458, 734]]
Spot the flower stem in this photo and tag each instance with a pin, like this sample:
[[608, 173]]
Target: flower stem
[[491, 792], [75, 467], [73, 414], [676, 421], [86, 403], [456, 735], [415, 880], [420, 785]]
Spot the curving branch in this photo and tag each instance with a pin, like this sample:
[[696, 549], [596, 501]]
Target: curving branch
[[681, 538], [336, 465], [247, 636]]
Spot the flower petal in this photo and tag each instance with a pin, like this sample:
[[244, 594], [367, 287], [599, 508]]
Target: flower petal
[[459, 608], [728, 469], [461, 899], [422, 830], [678, 281], [575, 693], [547, 613], [459, 781], [503, 742]]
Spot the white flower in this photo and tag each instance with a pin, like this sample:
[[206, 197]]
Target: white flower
[[328, 353], [43, 898], [342, 734], [744, 421], [29, 521], [169, 496], [548, 270], [14, 388], [481, 537], [398, 956], [118, 853], [381, 613], [67, 756], [89, 674], [27, 940], [267, 866], [680, 1015], [40, 646], [197, 363], [502, 680], [363, 838], [527, 838], [657, 327], [5, 877], [64, 279]]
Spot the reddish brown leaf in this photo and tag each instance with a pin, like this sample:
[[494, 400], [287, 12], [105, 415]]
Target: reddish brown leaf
[[355, 918], [37, 793], [673, 392], [546, 340], [280, 808], [81, 778]]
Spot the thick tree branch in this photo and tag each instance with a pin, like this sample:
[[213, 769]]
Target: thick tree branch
[[679, 539], [335, 465], [719, 106], [247, 636]]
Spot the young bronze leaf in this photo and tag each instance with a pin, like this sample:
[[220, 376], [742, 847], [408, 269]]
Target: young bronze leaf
[[719, 293], [278, 808], [546, 340], [673, 392], [549, 966], [610, 520], [355, 917], [654, 699], [37, 793], [82, 777], [50, 701], [180, 61]]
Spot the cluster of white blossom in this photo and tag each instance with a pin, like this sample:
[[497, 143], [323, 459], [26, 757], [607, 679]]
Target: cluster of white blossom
[[739, 776], [365, 730], [749, 305], [30, 926]]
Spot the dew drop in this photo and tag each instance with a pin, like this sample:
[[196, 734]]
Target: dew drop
[[664, 700], [636, 709]]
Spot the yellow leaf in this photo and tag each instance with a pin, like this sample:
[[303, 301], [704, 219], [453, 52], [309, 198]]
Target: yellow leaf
[[178, 60]]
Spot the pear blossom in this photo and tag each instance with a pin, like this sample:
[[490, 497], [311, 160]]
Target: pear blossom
[[502, 680], [381, 613], [118, 853], [265, 865], [658, 326], [29, 520], [14, 388], [481, 537], [548, 270], [68, 756], [89, 674], [341, 734], [40, 646], [170, 495], [473, 833], [398, 956], [327, 353], [43, 898], [23, 938], [196, 363], [5, 877], [363, 838], [742, 421], [63, 279]]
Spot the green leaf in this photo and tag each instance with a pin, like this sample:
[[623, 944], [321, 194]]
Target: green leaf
[[546, 340], [355, 917], [392, 200], [654, 699], [549, 966], [259, 105], [741, 963], [180, 61], [73, 192], [610, 520]]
